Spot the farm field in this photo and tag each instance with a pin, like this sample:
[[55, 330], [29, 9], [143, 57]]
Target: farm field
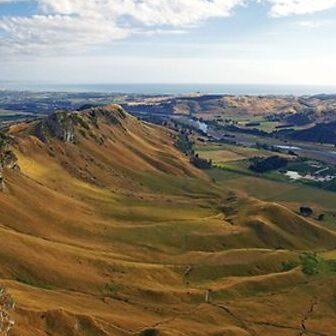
[[232, 162]]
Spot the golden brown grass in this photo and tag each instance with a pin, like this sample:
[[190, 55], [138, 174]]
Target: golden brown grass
[[125, 236]]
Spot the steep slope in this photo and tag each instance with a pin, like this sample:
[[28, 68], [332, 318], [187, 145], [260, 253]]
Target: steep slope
[[106, 229], [93, 142]]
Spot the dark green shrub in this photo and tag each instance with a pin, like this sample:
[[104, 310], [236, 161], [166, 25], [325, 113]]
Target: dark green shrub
[[331, 265], [311, 263], [306, 211], [260, 165], [288, 265], [200, 163], [149, 332], [184, 144]]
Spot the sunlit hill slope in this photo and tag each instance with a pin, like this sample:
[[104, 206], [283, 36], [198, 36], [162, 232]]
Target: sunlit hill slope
[[107, 229]]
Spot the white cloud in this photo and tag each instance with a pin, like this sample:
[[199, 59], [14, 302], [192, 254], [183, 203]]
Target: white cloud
[[63, 26], [313, 24], [148, 12], [61, 33], [73, 24], [299, 7]]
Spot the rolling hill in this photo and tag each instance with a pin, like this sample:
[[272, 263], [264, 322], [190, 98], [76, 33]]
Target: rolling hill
[[107, 229], [320, 133], [207, 106]]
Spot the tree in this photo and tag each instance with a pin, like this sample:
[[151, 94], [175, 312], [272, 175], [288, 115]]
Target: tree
[[200, 163], [311, 263], [321, 217], [150, 332], [261, 165], [306, 211]]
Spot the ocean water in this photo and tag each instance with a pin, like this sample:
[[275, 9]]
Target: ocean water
[[174, 89]]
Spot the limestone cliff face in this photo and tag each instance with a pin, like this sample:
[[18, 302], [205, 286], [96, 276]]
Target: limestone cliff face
[[64, 125], [59, 125], [8, 160]]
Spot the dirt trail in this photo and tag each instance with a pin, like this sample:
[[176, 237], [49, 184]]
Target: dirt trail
[[169, 320], [246, 324], [241, 323], [306, 317]]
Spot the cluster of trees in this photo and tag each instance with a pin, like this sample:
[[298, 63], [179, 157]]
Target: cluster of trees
[[185, 145], [263, 165], [252, 131], [200, 163], [300, 118], [311, 264], [320, 133], [253, 124]]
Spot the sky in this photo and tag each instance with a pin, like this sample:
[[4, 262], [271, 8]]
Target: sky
[[284, 42]]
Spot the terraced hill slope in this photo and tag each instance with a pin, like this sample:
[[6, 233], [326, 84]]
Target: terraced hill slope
[[106, 229]]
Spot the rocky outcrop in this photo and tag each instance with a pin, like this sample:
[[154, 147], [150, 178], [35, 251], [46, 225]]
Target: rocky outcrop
[[65, 125], [8, 160], [6, 306], [58, 125]]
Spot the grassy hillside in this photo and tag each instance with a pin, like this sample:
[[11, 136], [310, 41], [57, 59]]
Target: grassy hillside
[[107, 229]]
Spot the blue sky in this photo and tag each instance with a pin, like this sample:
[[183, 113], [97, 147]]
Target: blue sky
[[169, 41]]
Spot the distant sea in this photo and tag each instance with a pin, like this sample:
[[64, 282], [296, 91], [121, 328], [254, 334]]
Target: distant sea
[[174, 89]]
